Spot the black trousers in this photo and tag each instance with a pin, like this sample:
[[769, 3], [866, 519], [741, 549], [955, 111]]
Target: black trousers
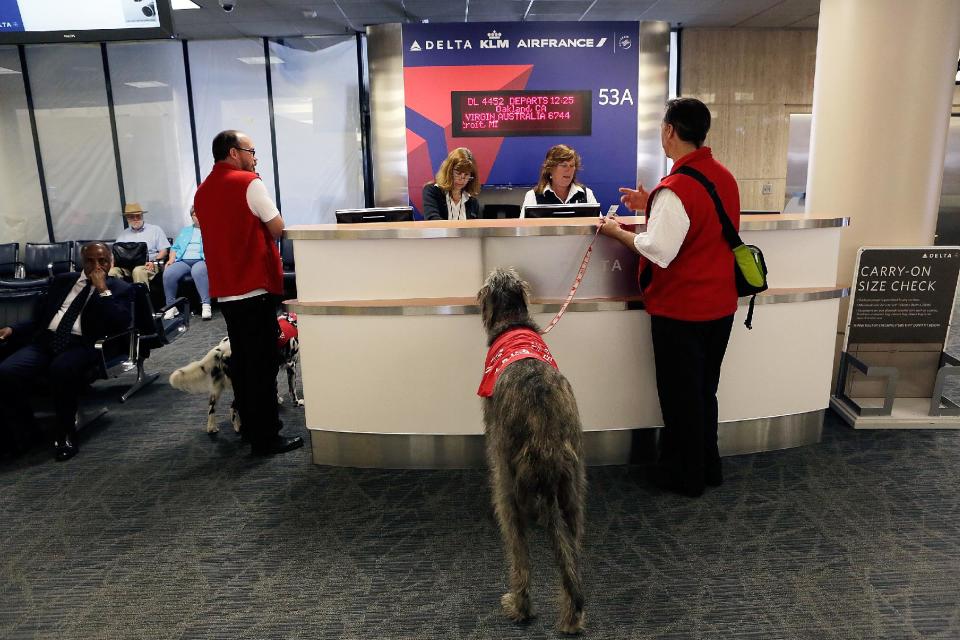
[[65, 372], [688, 356], [254, 363]]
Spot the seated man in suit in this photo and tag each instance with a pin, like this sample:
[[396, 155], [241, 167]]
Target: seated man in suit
[[79, 309]]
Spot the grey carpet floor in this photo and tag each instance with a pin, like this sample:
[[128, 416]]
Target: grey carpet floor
[[156, 530]]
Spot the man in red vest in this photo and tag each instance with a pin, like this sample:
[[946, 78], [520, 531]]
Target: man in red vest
[[240, 226], [687, 279]]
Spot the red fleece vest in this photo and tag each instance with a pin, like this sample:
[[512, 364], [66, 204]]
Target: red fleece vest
[[509, 347], [698, 285], [240, 253]]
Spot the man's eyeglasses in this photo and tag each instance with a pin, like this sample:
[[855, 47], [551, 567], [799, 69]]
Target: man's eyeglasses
[[252, 152]]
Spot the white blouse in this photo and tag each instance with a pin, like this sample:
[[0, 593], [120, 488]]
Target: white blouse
[[457, 210]]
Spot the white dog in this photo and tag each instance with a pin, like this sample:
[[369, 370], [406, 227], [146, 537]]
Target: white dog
[[211, 375]]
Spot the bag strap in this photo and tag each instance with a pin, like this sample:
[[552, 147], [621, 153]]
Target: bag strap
[[729, 233]]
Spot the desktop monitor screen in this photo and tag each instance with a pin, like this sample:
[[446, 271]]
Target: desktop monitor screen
[[500, 210], [375, 214], [572, 210], [35, 21]]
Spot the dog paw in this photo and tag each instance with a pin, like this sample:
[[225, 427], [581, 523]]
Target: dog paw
[[516, 608], [300, 402], [571, 624], [279, 399], [212, 428]]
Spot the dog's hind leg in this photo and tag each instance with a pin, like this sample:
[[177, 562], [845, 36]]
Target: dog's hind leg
[[291, 374], [211, 415], [234, 416], [513, 529], [566, 532]]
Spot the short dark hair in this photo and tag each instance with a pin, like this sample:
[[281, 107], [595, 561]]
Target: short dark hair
[[223, 142], [690, 118]]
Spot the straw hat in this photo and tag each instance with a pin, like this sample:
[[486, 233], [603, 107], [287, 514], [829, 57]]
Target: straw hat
[[133, 208]]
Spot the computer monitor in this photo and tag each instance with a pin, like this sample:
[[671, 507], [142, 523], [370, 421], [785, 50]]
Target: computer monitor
[[500, 210], [571, 210], [374, 214]]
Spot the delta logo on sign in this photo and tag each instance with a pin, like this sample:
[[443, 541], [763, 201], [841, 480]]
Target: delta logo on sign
[[495, 40]]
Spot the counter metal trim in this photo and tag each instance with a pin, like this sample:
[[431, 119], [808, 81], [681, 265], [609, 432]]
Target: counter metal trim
[[608, 447], [466, 306]]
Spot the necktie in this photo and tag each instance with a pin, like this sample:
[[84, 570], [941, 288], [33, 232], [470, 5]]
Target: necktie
[[61, 337]]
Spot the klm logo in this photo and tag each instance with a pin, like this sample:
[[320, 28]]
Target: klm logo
[[494, 41]]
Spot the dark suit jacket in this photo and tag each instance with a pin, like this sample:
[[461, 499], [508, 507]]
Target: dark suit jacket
[[101, 316], [435, 204]]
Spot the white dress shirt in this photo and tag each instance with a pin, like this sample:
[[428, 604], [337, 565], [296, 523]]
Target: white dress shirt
[[667, 228], [71, 295], [457, 210], [531, 197]]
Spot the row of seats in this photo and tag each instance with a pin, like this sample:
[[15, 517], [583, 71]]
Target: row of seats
[[42, 261]]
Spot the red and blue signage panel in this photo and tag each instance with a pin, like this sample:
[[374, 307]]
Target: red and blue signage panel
[[510, 91]]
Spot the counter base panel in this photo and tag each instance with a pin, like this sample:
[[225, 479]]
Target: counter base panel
[[609, 447], [907, 413]]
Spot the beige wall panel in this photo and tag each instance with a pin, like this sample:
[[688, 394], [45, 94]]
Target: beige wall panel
[[751, 194], [800, 59], [751, 140]]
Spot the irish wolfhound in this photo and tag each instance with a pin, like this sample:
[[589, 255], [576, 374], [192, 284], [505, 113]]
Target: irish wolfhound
[[534, 447]]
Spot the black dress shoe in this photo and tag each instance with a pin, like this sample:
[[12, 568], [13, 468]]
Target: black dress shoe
[[713, 477], [671, 481], [65, 448], [277, 445]]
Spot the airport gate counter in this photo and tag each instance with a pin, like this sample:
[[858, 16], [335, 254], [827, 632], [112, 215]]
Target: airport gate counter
[[392, 346]]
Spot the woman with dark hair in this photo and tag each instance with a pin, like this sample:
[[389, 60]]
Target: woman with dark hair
[[558, 180], [454, 194]]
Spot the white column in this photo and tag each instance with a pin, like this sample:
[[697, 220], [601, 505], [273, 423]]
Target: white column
[[881, 109]]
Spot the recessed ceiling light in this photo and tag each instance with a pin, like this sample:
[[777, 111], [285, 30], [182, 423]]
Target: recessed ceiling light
[[145, 84], [184, 4], [5, 71], [260, 60]]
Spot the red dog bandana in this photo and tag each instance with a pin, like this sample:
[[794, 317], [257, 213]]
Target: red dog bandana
[[287, 330], [511, 346]]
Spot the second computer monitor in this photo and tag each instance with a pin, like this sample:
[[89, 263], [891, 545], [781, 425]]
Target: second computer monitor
[[375, 214], [572, 210]]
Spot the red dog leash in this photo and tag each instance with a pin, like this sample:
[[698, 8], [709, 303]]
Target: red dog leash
[[576, 285]]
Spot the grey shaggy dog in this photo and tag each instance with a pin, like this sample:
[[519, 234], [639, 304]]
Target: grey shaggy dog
[[535, 452]]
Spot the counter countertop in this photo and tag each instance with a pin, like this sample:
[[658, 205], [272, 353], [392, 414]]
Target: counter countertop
[[514, 227]]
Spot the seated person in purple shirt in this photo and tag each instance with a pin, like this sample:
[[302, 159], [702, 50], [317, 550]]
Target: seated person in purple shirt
[[186, 257], [140, 231]]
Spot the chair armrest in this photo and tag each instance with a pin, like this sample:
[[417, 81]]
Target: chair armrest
[[181, 303], [120, 344]]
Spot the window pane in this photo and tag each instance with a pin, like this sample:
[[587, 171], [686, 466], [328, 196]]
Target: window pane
[[153, 129], [317, 119], [73, 123], [21, 206], [230, 92]]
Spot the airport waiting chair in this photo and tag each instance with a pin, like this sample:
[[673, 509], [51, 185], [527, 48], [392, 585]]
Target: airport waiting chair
[[41, 261], [113, 352], [9, 260], [151, 332]]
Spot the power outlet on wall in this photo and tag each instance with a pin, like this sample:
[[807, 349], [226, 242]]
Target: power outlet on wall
[[766, 189]]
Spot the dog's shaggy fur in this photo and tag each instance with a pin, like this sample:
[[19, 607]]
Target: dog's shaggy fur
[[211, 375], [535, 453]]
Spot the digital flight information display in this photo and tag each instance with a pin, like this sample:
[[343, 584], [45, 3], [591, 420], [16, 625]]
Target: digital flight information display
[[521, 113]]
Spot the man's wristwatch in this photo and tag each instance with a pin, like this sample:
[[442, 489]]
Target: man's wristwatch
[[106, 294]]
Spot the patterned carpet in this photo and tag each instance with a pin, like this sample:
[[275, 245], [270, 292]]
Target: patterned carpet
[[156, 530]]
